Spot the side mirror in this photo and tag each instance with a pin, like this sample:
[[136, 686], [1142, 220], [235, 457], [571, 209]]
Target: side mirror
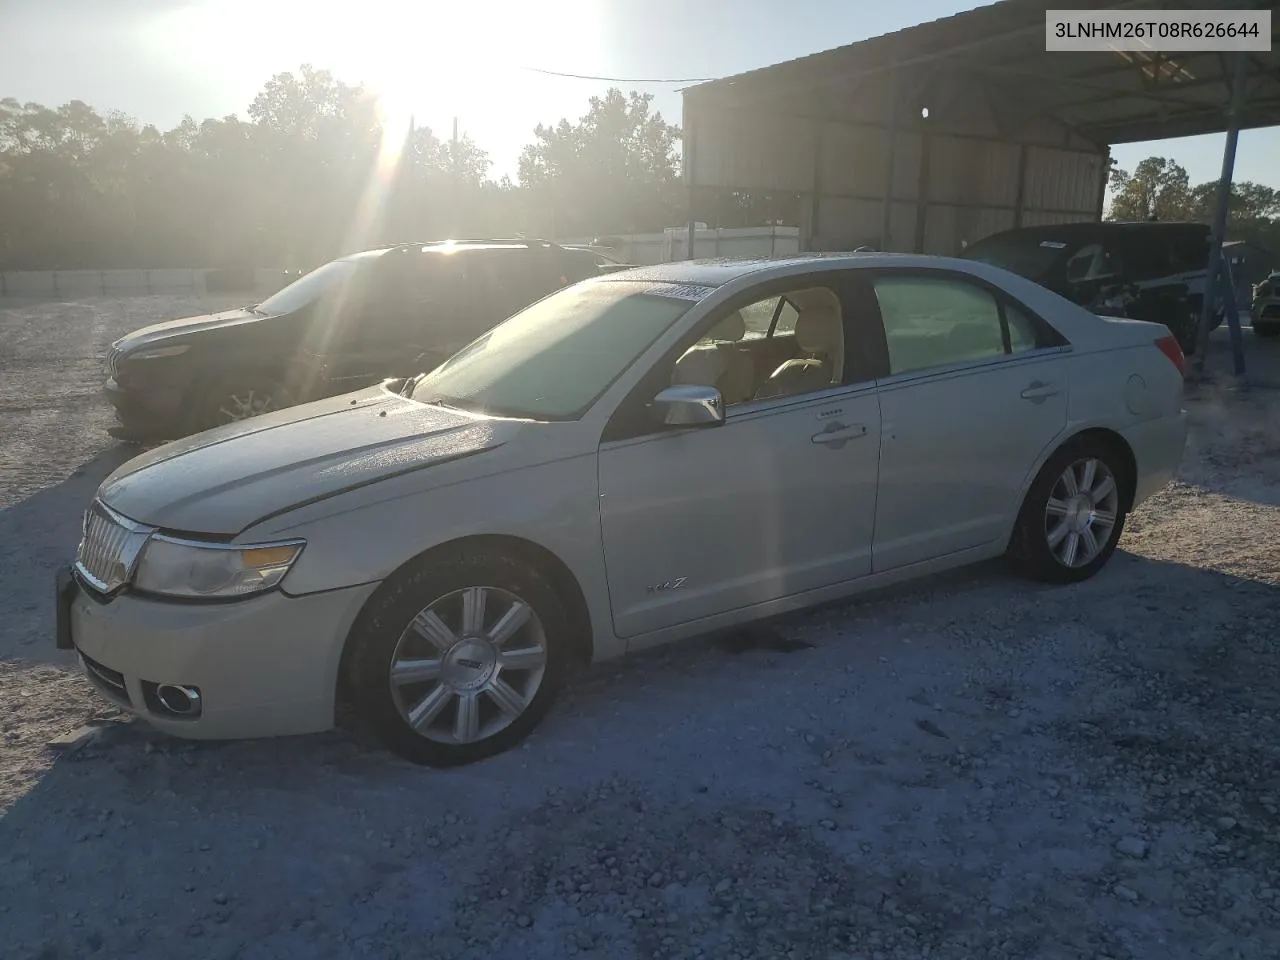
[[689, 405]]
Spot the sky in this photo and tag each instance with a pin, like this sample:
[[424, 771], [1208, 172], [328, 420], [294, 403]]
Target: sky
[[477, 60]]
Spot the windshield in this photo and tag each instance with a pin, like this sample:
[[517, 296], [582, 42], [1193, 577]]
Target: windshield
[[306, 289], [1028, 256], [555, 358]]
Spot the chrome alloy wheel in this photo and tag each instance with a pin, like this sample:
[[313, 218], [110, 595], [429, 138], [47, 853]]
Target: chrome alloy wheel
[[1080, 516], [468, 665], [245, 404]]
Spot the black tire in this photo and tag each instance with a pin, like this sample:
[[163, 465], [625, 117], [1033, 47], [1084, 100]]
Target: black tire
[[1029, 550], [378, 632], [209, 408], [1267, 330]]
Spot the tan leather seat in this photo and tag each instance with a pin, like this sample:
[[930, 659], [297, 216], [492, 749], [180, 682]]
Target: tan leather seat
[[820, 336], [719, 363]]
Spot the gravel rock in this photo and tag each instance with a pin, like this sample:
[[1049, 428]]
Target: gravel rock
[[1134, 847]]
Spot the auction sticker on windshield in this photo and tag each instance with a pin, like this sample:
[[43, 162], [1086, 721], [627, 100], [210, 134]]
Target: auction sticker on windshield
[[682, 291]]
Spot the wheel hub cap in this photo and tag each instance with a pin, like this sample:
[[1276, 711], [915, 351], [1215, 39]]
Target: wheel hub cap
[[469, 664], [1079, 514]]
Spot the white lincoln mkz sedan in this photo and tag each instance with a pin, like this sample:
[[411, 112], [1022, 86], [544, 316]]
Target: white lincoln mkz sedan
[[635, 459]]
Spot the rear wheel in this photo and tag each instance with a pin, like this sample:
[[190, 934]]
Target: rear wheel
[[1073, 514], [459, 658]]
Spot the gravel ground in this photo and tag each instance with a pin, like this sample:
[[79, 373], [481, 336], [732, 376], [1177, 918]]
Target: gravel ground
[[971, 768]]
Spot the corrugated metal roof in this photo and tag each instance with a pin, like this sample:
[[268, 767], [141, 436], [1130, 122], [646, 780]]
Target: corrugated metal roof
[[1109, 97]]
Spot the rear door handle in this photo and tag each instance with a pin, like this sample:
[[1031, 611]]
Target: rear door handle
[[838, 434], [1037, 392]]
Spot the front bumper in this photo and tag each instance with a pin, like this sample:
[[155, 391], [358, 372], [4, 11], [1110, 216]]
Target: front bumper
[[144, 415], [264, 667]]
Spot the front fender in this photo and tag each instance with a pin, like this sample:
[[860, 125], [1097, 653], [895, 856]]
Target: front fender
[[376, 530]]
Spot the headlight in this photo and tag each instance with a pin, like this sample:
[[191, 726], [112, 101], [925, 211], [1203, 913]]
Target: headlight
[[155, 353], [208, 571]]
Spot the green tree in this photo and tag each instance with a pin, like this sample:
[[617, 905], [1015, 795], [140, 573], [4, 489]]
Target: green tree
[[615, 170], [1157, 188], [308, 175]]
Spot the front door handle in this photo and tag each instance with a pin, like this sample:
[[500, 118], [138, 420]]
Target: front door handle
[[1038, 392], [837, 434]]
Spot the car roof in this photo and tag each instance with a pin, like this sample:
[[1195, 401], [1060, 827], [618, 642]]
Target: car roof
[[715, 272], [365, 254]]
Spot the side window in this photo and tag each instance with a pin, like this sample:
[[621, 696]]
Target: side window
[[1145, 260], [1022, 332], [787, 318], [935, 322], [758, 317], [436, 300], [1093, 262], [736, 357]]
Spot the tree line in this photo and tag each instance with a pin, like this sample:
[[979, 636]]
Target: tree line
[[1158, 188], [308, 175]]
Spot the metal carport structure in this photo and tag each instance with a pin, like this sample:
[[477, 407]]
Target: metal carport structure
[[950, 130]]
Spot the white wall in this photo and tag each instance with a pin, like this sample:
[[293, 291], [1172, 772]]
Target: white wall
[[672, 244], [98, 283]]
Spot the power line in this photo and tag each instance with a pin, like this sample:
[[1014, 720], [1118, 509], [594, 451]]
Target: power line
[[583, 76]]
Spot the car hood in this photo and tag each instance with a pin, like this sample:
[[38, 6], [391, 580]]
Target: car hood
[[177, 328], [224, 480]]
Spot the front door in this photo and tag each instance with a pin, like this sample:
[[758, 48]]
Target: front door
[[976, 391], [776, 501]]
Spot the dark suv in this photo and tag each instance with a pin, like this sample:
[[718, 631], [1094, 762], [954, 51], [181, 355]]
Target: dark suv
[[391, 312], [1146, 270]]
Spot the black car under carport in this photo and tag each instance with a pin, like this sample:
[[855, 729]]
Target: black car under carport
[[1145, 270]]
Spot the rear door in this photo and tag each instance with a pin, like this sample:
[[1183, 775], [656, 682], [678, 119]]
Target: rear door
[[974, 389], [510, 279], [412, 313]]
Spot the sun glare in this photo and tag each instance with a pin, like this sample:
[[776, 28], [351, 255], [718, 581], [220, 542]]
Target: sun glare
[[429, 57], [428, 62]]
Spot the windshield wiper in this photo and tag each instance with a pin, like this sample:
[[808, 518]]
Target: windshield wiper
[[411, 383]]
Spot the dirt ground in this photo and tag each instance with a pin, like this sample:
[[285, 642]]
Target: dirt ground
[[972, 768]]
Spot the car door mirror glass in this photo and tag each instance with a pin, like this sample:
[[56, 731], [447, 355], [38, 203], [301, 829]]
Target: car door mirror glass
[[689, 405]]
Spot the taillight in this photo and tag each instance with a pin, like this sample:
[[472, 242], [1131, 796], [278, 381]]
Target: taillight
[[1170, 348]]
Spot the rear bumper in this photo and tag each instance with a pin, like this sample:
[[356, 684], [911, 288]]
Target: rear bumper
[[1158, 446], [144, 414]]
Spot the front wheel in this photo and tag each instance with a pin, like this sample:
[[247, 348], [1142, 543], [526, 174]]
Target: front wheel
[[236, 399], [458, 658], [1073, 515]]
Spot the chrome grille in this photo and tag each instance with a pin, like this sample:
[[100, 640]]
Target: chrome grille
[[108, 548], [113, 360]]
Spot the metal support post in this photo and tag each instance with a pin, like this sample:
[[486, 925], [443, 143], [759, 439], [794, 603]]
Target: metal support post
[[1215, 265]]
